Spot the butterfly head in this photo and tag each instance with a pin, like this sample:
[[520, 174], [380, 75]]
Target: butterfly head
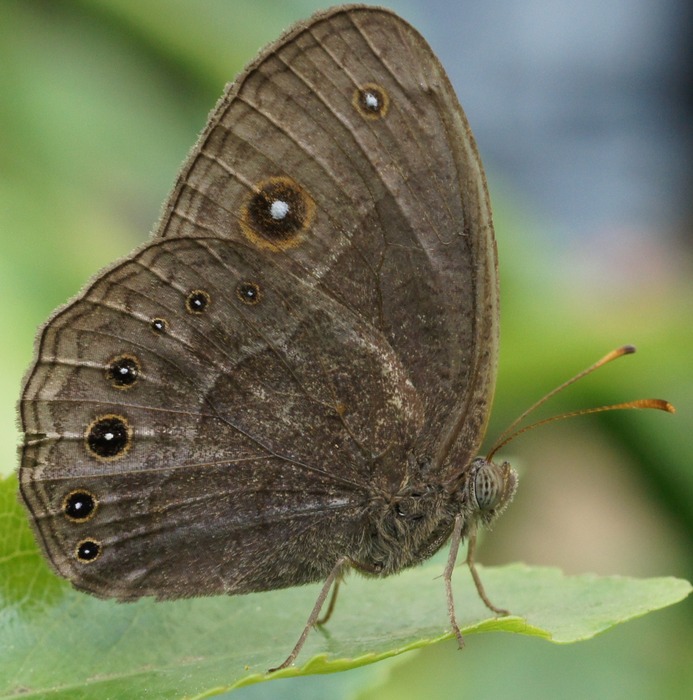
[[489, 488]]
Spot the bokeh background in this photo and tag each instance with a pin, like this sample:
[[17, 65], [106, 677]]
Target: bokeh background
[[582, 113]]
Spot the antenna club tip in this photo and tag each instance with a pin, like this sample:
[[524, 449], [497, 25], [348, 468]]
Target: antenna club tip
[[628, 349], [657, 404]]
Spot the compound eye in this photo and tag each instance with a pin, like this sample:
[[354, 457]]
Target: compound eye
[[487, 489]]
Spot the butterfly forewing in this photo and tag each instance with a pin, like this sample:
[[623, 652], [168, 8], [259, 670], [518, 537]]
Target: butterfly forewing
[[401, 231]]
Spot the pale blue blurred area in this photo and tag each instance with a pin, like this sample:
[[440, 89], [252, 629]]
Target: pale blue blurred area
[[580, 107]]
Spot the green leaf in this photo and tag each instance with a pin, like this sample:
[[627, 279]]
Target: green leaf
[[57, 642]]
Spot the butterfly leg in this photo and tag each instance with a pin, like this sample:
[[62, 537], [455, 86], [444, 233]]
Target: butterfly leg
[[330, 607], [333, 578], [471, 548], [447, 577], [363, 568]]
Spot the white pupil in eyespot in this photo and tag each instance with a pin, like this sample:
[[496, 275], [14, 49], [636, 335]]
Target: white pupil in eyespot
[[279, 209], [371, 101], [109, 436]]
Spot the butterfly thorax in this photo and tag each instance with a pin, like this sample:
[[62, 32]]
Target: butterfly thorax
[[405, 528], [409, 526]]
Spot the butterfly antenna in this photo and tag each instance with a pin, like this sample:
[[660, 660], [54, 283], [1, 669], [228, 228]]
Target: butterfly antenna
[[510, 433]]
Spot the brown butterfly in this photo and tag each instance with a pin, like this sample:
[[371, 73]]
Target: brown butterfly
[[293, 378]]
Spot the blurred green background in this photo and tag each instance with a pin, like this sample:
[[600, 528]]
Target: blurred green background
[[99, 104]]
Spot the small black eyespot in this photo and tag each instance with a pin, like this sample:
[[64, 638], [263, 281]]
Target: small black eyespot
[[197, 301], [123, 371], [159, 325], [248, 292], [87, 551], [80, 506], [372, 101], [108, 437]]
